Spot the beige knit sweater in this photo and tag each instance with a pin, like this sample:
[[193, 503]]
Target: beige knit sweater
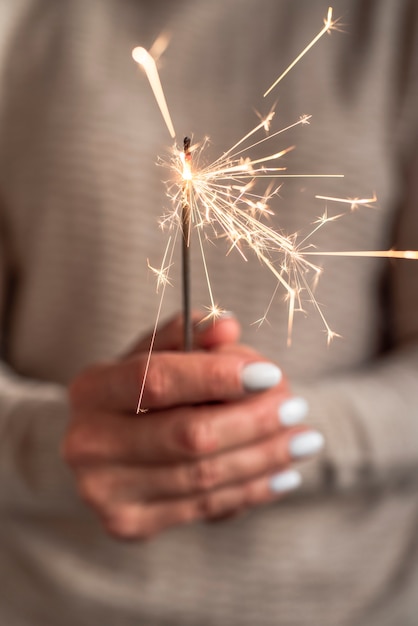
[[80, 198]]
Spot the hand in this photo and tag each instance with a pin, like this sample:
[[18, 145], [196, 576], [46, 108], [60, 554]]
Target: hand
[[209, 445]]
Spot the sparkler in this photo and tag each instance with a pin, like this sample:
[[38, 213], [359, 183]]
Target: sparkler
[[186, 223], [222, 197]]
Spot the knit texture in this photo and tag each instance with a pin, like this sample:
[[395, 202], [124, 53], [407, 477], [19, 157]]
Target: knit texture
[[80, 199]]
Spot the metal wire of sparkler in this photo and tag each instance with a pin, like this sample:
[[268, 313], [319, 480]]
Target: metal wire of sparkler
[[186, 225], [222, 196]]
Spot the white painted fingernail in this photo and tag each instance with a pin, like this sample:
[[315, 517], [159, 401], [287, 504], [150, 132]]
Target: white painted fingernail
[[211, 321], [306, 444], [285, 481], [293, 411], [224, 315], [259, 376]]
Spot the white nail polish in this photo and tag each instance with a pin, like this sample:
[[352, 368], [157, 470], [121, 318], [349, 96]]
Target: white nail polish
[[293, 411], [306, 444], [224, 315], [211, 321], [259, 376], [285, 481]]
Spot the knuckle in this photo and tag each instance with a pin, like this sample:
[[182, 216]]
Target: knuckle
[[264, 414], [247, 495], [213, 506], [206, 507], [277, 451], [204, 474], [78, 445], [127, 525], [280, 453], [267, 424], [71, 446], [93, 491], [251, 494], [80, 387], [216, 378], [197, 436], [272, 453], [156, 384]]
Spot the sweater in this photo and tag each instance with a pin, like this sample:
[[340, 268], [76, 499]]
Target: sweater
[[80, 201]]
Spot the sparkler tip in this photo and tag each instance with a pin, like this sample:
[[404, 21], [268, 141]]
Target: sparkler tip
[[328, 20], [140, 55], [411, 254], [331, 335], [328, 26], [145, 59]]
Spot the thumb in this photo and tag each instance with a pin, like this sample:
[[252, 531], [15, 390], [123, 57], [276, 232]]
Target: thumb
[[214, 332], [208, 333]]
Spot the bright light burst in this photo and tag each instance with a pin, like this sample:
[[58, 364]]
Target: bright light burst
[[225, 200]]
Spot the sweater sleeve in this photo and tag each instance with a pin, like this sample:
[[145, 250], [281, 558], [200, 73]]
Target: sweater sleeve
[[33, 418], [370, 417]]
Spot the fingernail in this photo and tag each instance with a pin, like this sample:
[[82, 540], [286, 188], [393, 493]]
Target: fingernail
[[224, 315], [259, 376], [211, 321], [306, 444], [293, 411], [285, 481]]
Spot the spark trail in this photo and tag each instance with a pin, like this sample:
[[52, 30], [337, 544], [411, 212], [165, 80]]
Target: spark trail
[[224, 199]]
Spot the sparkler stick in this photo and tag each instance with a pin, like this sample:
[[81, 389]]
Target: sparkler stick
[[186, 223]]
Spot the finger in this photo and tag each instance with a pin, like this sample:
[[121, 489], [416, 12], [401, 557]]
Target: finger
[[171, 436], [207, 333], [123, 483], [237, 348], [137, 521], [223, 330], [173, 379]]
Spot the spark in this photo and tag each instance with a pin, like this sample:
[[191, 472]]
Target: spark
[[160, 45], [161, 273], [215, 312], [328, 26], [354, 203], [143, 58], [376, 254], [266, 120], [223, 199]]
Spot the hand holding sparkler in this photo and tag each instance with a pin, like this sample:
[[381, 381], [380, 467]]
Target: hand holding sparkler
[[220, 435]]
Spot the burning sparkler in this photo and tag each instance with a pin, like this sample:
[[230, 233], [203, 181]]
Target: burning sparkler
[[186, 224], [223, 197]]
